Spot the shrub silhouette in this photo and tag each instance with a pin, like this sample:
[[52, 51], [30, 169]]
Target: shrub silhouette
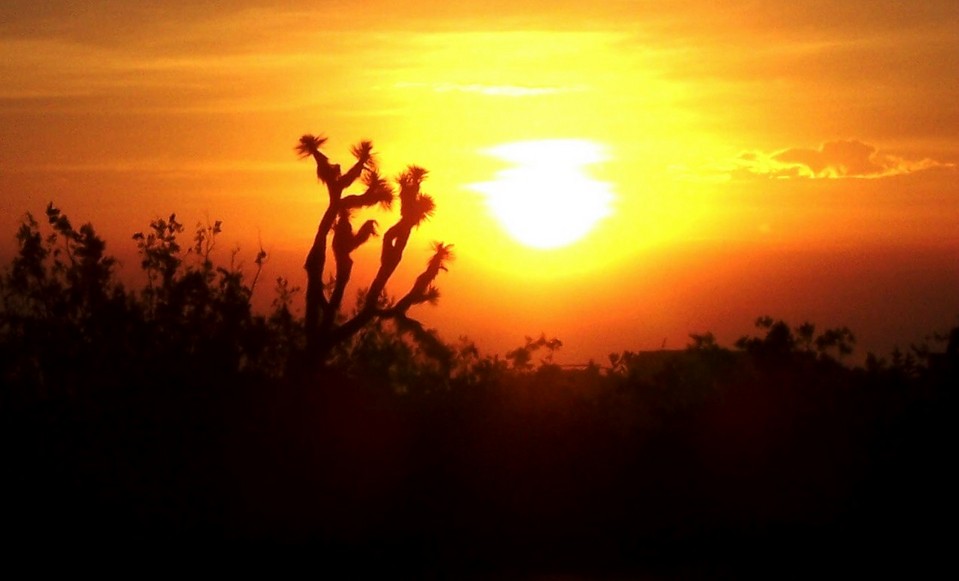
[[61, 307], [67, 324], [782, 343], [324, 324]]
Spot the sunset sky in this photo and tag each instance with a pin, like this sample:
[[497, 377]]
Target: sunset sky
[[720, 160]]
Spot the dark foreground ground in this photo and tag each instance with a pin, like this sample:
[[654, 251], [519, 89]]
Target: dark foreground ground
[[548, 475]]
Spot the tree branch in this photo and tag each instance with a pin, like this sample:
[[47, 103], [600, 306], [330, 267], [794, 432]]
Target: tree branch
[[322, 310]]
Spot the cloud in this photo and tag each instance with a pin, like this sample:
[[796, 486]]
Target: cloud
[[156, 167], [831, 160], [490, 90], [835, 159]]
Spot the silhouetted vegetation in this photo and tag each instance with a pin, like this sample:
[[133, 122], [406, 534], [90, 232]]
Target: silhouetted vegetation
[[170, 412], [324, 324]]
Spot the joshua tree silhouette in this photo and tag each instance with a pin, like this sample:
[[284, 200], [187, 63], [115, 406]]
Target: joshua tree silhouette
[[324, 329]]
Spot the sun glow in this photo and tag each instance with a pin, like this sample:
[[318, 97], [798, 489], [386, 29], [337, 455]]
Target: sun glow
[[547, 200]]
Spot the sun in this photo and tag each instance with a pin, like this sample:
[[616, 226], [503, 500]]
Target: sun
[[547, 200]]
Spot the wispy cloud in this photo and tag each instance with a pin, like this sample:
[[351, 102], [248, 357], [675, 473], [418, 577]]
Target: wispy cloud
[[157, 167], [490, 90], [831, 160]]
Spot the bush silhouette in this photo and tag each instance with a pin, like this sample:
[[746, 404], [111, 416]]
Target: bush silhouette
[[68, 324]]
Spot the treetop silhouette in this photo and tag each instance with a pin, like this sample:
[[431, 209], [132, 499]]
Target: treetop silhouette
[[324, 323]]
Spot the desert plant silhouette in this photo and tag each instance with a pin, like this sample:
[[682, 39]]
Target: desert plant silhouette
[[324, 324]]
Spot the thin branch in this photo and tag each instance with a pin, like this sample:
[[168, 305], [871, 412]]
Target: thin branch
[[364, 153], [378, 191], [423, 289]]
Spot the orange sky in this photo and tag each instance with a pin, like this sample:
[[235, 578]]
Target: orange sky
[[797, 159]]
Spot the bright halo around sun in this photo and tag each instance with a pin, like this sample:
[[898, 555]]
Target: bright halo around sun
[[547, 200]]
